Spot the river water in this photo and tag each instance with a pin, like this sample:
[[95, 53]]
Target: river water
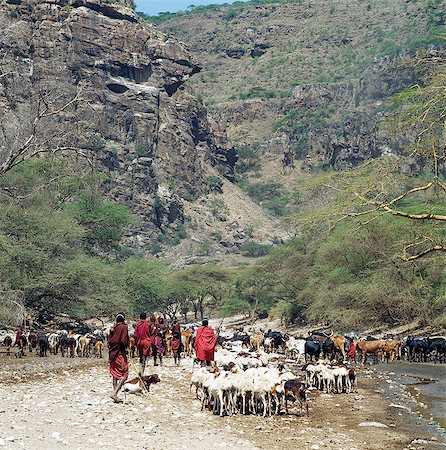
[[426, 384]]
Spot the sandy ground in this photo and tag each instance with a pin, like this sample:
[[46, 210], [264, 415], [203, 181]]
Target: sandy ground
[[55, 403]]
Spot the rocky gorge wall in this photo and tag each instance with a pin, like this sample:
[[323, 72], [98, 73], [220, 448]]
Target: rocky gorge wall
[[143, 129]]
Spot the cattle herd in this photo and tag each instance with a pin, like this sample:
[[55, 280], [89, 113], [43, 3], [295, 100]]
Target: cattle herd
[[80, 343], [248, 375]]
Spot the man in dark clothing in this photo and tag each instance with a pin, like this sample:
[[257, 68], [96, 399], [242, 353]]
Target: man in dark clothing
[[118, 341]]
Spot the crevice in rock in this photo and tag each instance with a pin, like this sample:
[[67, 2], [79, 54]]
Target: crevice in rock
[[117, 88]]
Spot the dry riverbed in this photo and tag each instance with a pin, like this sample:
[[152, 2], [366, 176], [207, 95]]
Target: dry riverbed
[[56, 403]]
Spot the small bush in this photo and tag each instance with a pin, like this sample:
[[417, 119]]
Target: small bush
[[142, 150], [254, 249], [217, 207], [215, 184], [204, 248]]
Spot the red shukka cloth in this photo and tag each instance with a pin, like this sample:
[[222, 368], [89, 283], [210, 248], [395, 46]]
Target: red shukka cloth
[[205, 341]]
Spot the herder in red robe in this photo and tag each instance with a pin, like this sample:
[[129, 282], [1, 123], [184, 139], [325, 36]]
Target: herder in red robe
[[118, 341], [205, 340], [142, 341]]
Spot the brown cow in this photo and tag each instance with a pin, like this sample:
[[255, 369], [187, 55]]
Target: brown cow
[[132, 347], [98, 348], [186, 341], [256, 341], [372, 347], [339, 345], [168, 338], [390, 349]]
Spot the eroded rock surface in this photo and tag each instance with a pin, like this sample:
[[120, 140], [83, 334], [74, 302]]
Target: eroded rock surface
[[136, 119]]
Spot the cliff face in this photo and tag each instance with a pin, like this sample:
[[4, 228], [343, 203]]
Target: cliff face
[[142, 127], [297, 77]]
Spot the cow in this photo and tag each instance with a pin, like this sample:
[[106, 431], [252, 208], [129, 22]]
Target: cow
[[43, 345], [53, 341], [132, 347], [63, 344], [276, 340], [33, 341], [7, 342], [98, 348], [340, 344], [372, 347], [256, 341], [312, 348], [418, 348], [295, 348], [437, 348], [187, 341], [72, 345], [390, 350], [84, 346], [328, 348]]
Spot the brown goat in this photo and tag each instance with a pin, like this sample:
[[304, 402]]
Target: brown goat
[[298, 390]]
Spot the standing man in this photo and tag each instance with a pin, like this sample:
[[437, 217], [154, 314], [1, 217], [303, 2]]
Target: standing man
[[205, 341], [118, 341], [175, 342], [142, 340]]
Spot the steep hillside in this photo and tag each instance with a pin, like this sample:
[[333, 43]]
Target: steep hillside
[[313, 74], [134, 119]]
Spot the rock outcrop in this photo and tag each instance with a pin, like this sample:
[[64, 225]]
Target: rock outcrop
[[135, 117]]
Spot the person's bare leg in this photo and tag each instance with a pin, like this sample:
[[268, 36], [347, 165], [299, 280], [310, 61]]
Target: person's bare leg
[[117, 385], [142, 366]]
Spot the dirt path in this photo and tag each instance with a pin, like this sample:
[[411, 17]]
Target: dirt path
[[54, 403]]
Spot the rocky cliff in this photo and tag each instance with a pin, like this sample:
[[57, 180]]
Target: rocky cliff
[[300, 78], [134, 117]]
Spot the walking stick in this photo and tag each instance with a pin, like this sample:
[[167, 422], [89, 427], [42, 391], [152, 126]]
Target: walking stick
[[140, 379]]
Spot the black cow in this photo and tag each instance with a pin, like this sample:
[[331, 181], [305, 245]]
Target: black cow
[[277, 338], [437, 348], [43, 345], [418, 348], [7, 342], [312, 348], [328, 349], [71, 346], [33, 341], [63, 344]]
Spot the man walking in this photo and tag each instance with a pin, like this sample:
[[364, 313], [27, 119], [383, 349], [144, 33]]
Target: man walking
[[142, 340], [205, 341], [118, 341]]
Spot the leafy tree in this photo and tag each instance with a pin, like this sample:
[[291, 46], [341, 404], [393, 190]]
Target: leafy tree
[[201, 284]]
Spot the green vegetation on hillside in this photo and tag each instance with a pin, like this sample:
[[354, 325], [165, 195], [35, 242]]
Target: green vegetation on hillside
[[306, 41]]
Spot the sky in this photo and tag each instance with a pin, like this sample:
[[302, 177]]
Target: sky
[[153, 7]]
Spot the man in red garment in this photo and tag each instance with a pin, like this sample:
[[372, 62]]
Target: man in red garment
[[205, 340], [118, 341], [142, 341]]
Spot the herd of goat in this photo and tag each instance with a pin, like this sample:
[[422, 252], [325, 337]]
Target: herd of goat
[[246, 382]]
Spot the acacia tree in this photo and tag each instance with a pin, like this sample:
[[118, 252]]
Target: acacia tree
[[423, 109], [201, 284], [48, 131]]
